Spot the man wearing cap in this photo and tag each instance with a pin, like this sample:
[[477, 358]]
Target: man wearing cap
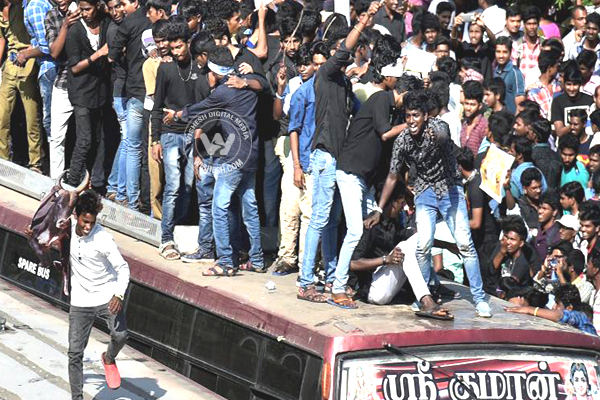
[[359, 158], [568, 227]]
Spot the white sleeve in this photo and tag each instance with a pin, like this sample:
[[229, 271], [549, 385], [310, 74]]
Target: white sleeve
[[118, 263]]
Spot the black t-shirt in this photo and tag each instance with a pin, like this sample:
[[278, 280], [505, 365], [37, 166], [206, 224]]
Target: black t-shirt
[[362, 148], [562, 106], [477, 198], [520, 268]]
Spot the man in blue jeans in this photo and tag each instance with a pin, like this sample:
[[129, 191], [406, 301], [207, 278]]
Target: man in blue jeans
[[233, 101], [332, 110], [426, 144]]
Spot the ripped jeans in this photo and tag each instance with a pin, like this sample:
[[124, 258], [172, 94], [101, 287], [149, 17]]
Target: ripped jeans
[[453, 209]]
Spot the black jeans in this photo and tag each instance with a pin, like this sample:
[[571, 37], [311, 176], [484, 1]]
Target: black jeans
[[81, 320], [89, 146]]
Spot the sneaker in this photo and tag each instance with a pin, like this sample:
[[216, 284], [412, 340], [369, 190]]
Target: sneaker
[[198, 256], [111, 372], [447, 293], [483, 310]]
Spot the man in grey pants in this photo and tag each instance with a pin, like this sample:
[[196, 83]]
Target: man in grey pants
[[99, 279]]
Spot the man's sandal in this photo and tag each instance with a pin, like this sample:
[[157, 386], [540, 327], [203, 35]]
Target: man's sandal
[[311, 294], [169, 252], [436, 312], [343, 302], [219, 271]]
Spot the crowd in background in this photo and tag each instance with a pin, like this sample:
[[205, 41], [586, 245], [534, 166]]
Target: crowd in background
[[358, 133]]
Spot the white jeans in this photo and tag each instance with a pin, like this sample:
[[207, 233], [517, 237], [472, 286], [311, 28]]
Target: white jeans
[[61, 111], [389, 279]]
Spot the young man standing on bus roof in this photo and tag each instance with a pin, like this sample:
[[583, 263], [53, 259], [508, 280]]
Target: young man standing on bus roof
[[426, 143]]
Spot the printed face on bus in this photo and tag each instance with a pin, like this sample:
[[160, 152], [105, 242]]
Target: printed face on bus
[[580, 384]]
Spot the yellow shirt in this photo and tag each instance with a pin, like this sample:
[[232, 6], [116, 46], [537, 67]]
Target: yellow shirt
[[17, 38]]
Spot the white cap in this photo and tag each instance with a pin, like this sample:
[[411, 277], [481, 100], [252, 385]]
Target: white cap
[[569, 221], [395, 70]]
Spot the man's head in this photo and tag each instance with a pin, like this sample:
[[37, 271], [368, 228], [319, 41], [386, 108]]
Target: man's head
[[524, 121], [568, 148], [595, 158], [503, 50], [513, 20], [586, 61], [571, 195], [595, 121], [406, 84], [179, 38], [593, 266], [466, 161], [560, 251], [575, 263], [448, 65], [89, 204], [494, 92], [442, 46], [578, 17], [499, 126], [219, 31], [391, 5], [549, 204], [385, 56], [568, 227], [89, 10], [158, 9], [475, 34], [304, 62], [514, 232], [130, 6], [578, 120], [531, 179], [227, 10], [589, 220], [416, 111], [572, 80], [567, 297], [529, 105], [473, 94], [540, 131], [430, 28], [290, 37], [531, 20], [444, 12], [116, 10], [220, 62], [521, 149], [200, 46], [160, 33], [320, 54], [193, 11], [592, 27]]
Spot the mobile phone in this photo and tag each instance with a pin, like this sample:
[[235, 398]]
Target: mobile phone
[[468, 17], [72, 7], [12, 57]]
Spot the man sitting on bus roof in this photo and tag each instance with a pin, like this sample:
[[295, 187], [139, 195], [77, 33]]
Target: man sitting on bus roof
[[385, 258]]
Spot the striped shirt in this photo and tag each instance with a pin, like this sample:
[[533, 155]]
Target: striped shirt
[[35, 14]]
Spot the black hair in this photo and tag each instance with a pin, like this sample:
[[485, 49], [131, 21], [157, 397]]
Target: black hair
[[471, 63], [589, 211], [201, 43], [192, 8], [580, 367], [551, 198], [573, 190], [88, 202], [576, 259], [430, 21], [222, 9], [593, 18], [466, 159], [504, 41], [287, 27], [179, 29], [221, 56], [164, 5], [595, 179], [448, 65], [555, 45], [386, 51], [500, 124], [432, 102], [217, 28], [531, 12], [523, 146], [246, 8], [530, 175], [408, 83], [563, 246], [579, 113], [304, 55], [513, 11], [444, 6], [542, 128], [473, 90], [441, 91], [530, 105], [319, 47], [547, 59], [568, 295], [573, 74], [442, 40], [587, 58], [528, 116], [569, 141], [270, 21], [498, 87], [335, 27], [416, 100], [361, 6], [514, 223], [595, 119], [310, 22], [161, 29], [439, 76], [533, 297]]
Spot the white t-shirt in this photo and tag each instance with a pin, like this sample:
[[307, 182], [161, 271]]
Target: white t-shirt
[[455, 125], [93, 38]]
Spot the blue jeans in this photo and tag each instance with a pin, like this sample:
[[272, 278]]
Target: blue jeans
[[117, 180], [226, 185], [135, 141], [272, 183], [205, 188], [323, 220], [178, 161], [46, 82], [453, 208], [352, 191]]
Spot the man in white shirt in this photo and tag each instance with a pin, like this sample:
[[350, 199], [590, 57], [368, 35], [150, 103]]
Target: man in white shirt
[[578, 16], [99, 280]]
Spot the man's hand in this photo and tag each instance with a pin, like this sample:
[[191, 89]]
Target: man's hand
[[169, 115], [372, 220], [29, 232], [197, 165], [506, 183], [72, 17], [520, 310], [282, 77], [236, 82], [245, 69], [103, 51], [396, 256], [504, 246], [458, 21], [262, 11], [21, 59], [299, 180], [115, 305], [373, 8], [157, 152]]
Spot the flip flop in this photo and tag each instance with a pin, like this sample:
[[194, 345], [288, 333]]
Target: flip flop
[[347, 304], [212, 271], [431, 314]]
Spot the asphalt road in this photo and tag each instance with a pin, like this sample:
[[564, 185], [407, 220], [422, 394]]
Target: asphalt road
[[33, 359]]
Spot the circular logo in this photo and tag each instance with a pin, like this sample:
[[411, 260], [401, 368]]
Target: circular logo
[[222, 140]]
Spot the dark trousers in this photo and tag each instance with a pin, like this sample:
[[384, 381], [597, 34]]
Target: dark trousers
[[89, 146], [81, 320]]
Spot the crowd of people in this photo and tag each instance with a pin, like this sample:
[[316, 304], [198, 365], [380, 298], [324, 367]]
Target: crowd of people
[[361, 139]]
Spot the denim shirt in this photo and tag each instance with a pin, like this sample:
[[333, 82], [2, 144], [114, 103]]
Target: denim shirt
[[302, 119]]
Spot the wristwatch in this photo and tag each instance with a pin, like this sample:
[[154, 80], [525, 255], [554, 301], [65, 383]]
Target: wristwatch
[[176, 117], [119, 296], [384, 260]]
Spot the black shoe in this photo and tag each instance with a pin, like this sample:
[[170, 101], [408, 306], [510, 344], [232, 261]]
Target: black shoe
[[446, 293]]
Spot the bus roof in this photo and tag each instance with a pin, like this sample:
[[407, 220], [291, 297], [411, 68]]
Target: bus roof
[[316, 327]]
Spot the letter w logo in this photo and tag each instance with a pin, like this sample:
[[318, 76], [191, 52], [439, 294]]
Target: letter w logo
[[217, 144]]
